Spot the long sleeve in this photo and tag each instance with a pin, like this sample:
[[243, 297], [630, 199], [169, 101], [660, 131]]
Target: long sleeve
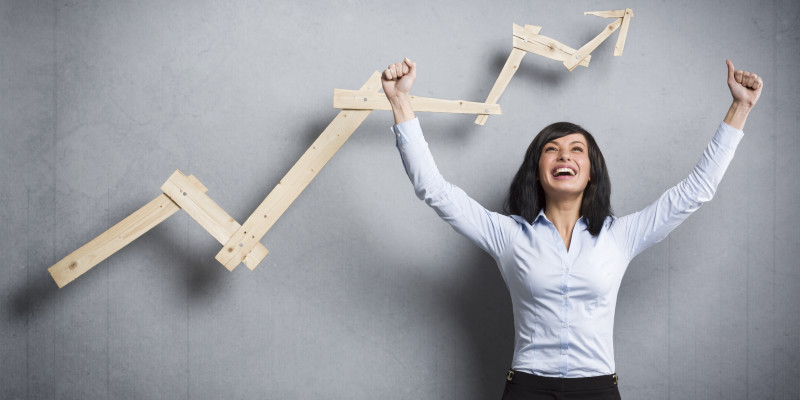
[[652, 224], [489, 230]]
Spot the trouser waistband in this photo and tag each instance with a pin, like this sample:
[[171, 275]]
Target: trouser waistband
[[562, 384]]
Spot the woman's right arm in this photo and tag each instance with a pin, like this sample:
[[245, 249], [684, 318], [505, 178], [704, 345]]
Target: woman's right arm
[[488, 230]]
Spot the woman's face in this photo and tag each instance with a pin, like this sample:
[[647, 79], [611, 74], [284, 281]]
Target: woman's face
[[564, 167]]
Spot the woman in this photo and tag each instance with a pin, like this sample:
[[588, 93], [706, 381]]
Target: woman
[[560, 251]]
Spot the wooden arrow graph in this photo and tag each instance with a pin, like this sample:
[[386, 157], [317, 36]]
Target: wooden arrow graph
[[241, 243], [527, 40]]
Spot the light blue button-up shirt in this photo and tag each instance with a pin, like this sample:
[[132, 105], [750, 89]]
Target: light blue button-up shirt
[[564, 301]]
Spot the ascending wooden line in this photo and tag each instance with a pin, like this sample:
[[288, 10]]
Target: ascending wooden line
[[115, 238], [527, 39], [208, 214], [188, 193], [295, 181]]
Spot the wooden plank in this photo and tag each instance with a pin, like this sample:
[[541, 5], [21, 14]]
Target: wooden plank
[[295, 181], [607, 14], [532, 29], [208, 214], [510, 67], [623, 32], [584, 51], [358, 100], [115, 238], [544, 46]]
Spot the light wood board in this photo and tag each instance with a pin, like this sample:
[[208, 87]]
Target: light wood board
[[208, 214], [295, 181], [359, 100], [112, 240]]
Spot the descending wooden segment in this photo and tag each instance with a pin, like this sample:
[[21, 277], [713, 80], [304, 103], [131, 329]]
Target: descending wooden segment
[[623, 32], [359, 100], [293, 183], [584, 51], [115, 238], [544, 46], [208, 214]]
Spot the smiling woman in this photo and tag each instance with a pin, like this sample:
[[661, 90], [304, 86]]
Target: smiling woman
[[561, 252], [566, 145]]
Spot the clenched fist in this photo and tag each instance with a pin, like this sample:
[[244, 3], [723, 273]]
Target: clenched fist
[[745, 86], [398, 78]]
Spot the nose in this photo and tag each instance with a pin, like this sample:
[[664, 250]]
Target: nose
[[563, 155]]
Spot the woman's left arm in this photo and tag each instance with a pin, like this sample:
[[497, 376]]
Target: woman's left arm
[[641, 230]]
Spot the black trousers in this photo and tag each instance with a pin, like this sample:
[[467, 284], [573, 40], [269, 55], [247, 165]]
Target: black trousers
[[523, 386]]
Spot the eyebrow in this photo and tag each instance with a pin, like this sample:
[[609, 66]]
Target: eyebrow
[[570, 143]]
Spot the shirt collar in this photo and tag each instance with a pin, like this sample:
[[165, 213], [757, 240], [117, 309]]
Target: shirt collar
[[542, 218]]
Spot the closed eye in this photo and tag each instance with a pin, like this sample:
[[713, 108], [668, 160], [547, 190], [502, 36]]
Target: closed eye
[[578, 149]]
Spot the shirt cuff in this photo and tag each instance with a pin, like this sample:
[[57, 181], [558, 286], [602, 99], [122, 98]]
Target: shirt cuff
[[408, 131], [728, 136]]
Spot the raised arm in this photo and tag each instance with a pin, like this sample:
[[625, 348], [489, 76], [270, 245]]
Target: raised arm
[[489, 230], [640, 230]]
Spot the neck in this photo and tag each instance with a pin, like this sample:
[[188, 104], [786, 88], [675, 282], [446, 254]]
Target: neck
[[564, 214]]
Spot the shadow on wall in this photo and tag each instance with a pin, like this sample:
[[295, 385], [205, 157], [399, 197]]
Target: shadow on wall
[[474, 302], [196, 276], [550, 72], [470, 298]]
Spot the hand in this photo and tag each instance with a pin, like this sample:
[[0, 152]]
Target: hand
[[398, 78], [745, 86]]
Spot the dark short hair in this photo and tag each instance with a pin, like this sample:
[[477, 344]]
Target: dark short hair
[[526, 196]]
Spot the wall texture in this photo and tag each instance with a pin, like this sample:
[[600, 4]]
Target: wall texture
[[366, 293]]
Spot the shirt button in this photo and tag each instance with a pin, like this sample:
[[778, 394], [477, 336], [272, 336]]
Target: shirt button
[[565, 296], [563, 352], [564, 325]]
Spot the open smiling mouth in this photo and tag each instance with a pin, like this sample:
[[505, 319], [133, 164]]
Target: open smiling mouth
[[563, 172]]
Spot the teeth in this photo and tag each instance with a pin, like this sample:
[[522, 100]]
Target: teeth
[[564, 170]]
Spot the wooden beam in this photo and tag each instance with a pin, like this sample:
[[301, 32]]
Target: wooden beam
[[544, 46], [115, 238], [359, 100], [607, 14], [208, 214], [623, 32], [295, 181], [584, 51], [510, 67], [532, 29]]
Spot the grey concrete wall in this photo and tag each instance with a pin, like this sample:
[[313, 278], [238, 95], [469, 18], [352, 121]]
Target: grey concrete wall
[[366, 293]]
